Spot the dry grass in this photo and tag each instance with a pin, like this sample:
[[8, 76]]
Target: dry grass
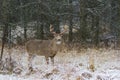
[[68, 61]]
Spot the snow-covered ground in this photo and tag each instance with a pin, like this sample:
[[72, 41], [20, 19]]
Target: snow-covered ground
[[70, 65]]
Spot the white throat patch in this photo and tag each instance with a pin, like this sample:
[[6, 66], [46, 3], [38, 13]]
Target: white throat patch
[[58, 42]]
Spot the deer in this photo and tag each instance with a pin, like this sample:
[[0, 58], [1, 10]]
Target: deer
[[46, 48]]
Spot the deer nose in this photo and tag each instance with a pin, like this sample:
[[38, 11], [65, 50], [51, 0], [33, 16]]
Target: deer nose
[[59, 39]]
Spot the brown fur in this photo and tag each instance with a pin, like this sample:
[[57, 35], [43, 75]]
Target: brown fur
[[47, 48]]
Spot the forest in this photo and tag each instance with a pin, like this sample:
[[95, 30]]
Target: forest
[[90, 32]]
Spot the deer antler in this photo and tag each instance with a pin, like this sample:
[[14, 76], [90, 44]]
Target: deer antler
[[52, 29], [64, 30]]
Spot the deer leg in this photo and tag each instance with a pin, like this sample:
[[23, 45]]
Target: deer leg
[[52, 58], [47, 59], [30, 62]]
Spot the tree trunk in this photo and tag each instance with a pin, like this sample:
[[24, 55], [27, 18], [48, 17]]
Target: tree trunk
[[25, 33], [71, 23], [41, 31], [70, 30], [23, 22], [57, 23], [97, 31], [40, 24], [4, 38], [83, 25]]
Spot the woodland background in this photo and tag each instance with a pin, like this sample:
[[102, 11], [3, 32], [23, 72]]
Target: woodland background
[[93, 22], [92, 38]]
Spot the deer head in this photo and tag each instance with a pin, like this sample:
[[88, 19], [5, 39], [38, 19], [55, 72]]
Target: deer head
[[57, 36]]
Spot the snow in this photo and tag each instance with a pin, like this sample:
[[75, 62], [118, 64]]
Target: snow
[[70, 65]]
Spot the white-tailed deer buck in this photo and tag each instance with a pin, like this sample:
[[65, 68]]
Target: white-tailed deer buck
[[47, 48]]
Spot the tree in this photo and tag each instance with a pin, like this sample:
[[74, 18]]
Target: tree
[[5, 16], [83, 15]]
